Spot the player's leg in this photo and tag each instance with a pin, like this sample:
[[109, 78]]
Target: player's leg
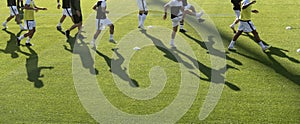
[[241, 28], [236, 21], [173, 36], [111, 32], [175, 23], [31, 27], [141, 12], [182, 30], [99, 27], [259, 41]]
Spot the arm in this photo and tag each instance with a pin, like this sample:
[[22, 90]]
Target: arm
[[245, 6], [58, 4], [95, 7], [40, 8], [166, 6]]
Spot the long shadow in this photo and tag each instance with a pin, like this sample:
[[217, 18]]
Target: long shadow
[[33, 70], [274, 64], [168, 52], [11, 47], [83, 51], [160, 46], [213, 51], [116, 68], [207, 71]]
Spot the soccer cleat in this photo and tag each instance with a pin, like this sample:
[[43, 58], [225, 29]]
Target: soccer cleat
[[231, 48], [29, 44], [266, 48], [200, 20], [112, 41], [172, 45], [18, 41], [67, 32], [182, 30], [58, 28], [4, 25]]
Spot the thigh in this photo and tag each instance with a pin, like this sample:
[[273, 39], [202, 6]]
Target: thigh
[[13, 10]]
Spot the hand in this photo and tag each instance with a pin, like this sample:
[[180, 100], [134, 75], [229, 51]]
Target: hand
[[255, 11], [58, 6], [106, 12], [165, 16], [44, 8], [253, 2]]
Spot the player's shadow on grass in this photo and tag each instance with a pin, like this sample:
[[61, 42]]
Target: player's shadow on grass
[[212, 50], [168, 52], [33, 70], [81, 48], [274, 64], [207, 71], [11, 46], [116, 68]]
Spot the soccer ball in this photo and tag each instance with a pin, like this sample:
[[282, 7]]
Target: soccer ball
[[288, 28], [298, 50]]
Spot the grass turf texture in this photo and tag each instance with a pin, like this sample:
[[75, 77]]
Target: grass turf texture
[[265, 88]]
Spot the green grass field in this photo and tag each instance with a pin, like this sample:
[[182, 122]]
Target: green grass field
[[51, 81]]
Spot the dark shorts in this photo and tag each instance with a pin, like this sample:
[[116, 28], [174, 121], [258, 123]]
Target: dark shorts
[[77, 19]]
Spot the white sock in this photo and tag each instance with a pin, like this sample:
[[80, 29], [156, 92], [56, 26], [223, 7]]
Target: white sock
[[172, 41], [59, 24], [140, 20], [21, 37], [5, 22], [20, 25], [143, 18], [261, 44], [28, 40], [181, 26], [231, 44], [111, 36]]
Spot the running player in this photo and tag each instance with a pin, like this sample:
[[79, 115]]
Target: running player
[[143, 11], [177, 14], [102, 21], [188, 7], [13, 13], [237, 10], [30, 7], [246, 25], [77, 17], [66, 12]]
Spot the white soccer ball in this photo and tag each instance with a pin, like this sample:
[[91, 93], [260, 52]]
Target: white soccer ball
[[288, 27], [298, 50], [136, 48]]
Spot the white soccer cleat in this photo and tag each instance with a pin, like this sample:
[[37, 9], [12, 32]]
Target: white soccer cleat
[[4, 25], [266, 48], [231, 48], [172, 45]]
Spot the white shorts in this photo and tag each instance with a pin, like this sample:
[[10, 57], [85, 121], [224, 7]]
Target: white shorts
[[101, 23], [142, 5], [237, 13], [187, 7], [30, 24], [13, 10], [246, 26], [67, 11], [176, 21]]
